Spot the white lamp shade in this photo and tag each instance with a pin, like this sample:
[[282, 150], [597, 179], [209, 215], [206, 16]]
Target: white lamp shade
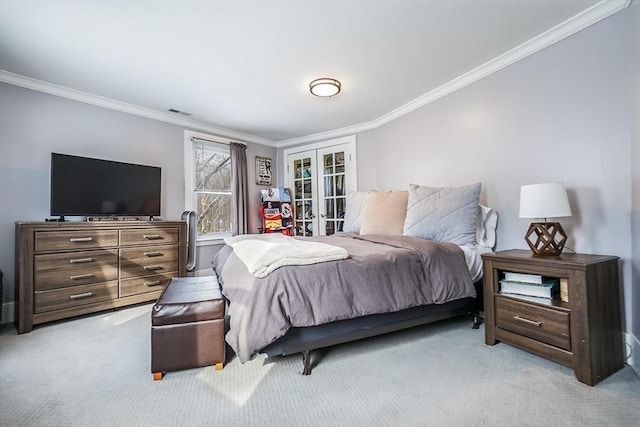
[[544, 201]]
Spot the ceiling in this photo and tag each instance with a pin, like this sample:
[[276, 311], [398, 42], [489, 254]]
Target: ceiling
[[245, 66]]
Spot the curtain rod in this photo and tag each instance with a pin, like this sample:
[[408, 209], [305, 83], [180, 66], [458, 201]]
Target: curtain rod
[[195, 138]]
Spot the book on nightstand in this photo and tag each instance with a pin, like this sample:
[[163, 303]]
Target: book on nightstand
[[523, 277], [564, 289], [546, 289]]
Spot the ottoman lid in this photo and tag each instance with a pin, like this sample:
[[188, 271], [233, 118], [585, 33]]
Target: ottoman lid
[[189, 299]]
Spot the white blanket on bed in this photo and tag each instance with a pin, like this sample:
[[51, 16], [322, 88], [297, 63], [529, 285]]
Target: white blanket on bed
[[263, 253]]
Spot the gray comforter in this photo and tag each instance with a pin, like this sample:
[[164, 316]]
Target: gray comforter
[[382, 274]]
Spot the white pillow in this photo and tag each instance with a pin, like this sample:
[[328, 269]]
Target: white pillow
[[354, 210], [486, 227], [443, 214]]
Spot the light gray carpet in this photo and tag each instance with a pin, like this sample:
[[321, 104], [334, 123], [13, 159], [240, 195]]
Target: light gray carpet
[[95, 371]]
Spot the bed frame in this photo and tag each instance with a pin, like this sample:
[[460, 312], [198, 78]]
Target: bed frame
[[304, 340]]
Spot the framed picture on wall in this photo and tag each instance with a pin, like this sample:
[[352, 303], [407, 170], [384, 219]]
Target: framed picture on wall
[[263, 170]]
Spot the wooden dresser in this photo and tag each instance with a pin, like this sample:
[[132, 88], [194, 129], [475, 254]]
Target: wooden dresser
[[66, 269]]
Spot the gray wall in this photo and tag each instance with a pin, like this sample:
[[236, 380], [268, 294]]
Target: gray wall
[[562, 114], [634, 12], [33, 124]]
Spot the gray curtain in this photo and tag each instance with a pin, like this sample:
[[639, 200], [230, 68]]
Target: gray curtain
[[239, 189]]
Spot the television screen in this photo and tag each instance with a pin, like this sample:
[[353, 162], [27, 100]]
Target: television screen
[[81, 186]]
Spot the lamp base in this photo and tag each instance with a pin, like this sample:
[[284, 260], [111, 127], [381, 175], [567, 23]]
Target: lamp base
[[546, 238]]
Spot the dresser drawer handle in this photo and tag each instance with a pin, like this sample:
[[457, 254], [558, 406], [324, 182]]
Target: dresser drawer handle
[[154, 283], [152, 236], [153, 267], [527, 321], [152, 254], [84, 295], [81, 276], [80, 260], [81, 239]]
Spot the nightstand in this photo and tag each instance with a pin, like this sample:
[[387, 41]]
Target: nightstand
[[585, 332]]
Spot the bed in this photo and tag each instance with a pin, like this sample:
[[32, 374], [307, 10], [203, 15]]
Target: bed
[[386, 282]]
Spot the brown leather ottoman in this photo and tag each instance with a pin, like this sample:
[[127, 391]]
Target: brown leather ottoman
[[187, 326]]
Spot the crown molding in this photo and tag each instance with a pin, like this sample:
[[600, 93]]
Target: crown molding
[[595, 13], [76, 95], [336, 133]]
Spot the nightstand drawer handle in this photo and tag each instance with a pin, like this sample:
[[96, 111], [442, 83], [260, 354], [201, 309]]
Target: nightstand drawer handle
[[152, 236], [81, 276], [153, 267], [80, 260], [152, 254], [84, 295], [154, 283], [81, 239], [527, 321]]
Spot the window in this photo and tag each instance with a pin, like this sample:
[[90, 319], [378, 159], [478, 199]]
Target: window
[[208, 184]]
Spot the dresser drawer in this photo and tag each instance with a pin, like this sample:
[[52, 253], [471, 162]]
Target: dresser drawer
[[148, 260], [71, 240], [74, 268], [141, 285], [75, 296], [539, 323], [145, 236]]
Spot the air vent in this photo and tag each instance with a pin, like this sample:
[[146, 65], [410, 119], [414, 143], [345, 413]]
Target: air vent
[[173, 110]]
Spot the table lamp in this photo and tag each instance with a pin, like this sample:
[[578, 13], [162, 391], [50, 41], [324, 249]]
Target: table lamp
[[545, 201]]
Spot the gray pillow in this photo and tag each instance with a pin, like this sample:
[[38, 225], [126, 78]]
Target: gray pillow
[[354, 211], [443, 214]]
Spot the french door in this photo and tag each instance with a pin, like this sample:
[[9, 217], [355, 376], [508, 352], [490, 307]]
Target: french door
[[320, 178]]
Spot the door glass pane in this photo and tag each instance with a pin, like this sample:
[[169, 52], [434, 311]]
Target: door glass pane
[[330, 228], [328, 208], [297, 169], [340, 162], [307, 189], [306, 168], [308, 209], [340, 206], [328, 164], [299, 210], [328, 186], [298, 190], [339, 185]]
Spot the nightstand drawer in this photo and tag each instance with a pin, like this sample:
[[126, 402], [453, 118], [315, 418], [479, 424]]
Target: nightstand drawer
[[542, 324]]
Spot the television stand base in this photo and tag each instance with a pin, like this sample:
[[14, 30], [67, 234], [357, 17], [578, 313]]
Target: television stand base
[[61, 219]]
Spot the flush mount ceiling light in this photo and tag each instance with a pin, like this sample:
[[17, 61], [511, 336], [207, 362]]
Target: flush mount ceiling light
[[325, 87]]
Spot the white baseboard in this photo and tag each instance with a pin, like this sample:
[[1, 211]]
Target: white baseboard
[[8, 312], [632, 352]]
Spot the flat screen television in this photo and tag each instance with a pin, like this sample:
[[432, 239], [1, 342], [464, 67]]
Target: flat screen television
[[82, 186]]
